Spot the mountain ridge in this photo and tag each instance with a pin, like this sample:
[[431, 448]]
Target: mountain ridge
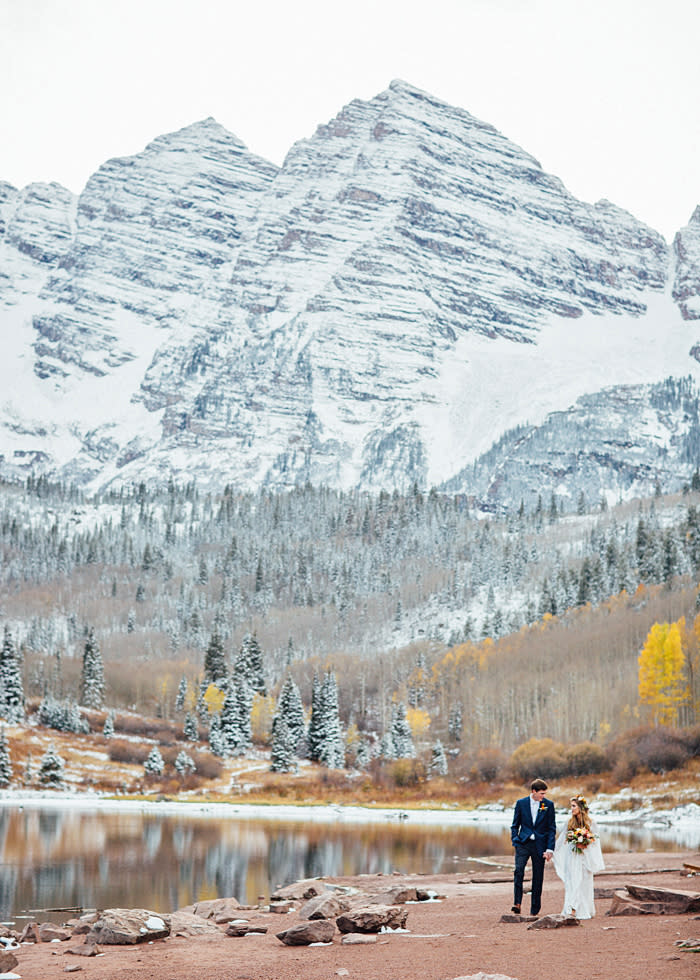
[[198, 310]]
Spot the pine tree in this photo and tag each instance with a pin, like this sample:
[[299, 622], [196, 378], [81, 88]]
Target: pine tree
[[154, 764], [108, 728], [92, 684], [215, 659], [51, 768], [282, 753], [191, 729], [438, 760], [184, 764], [217, 746], [249, 664], [401, 733], [454, 723], [12, 706], [181, 694], [5, 763], [316, 722], [244, 696], [291, 709], [332, 753], [229, 724], [363, 757]]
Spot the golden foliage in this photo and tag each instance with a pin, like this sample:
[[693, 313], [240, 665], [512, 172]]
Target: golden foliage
[[214, 699], [419, 721], [261, 715], [663, 685]]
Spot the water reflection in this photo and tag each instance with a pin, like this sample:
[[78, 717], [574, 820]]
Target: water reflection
[[57, 859]]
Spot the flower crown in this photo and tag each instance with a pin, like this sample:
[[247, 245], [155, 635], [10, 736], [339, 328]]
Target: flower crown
[[582, 803]]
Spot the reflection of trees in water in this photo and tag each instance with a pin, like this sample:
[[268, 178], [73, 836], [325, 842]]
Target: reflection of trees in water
[[152, 836], [50, 824], [167, 862], [8, 890]]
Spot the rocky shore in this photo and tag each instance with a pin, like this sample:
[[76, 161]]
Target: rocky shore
[[379, 927]]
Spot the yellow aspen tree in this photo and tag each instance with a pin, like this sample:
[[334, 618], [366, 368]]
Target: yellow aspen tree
[[663, 686]]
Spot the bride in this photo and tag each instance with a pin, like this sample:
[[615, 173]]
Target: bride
[[577, 856]]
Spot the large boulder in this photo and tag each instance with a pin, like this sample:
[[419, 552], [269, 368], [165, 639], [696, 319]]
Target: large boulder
[[8, 961], [372, 918], [220, 909], [308, 932], [126, 927], [673, 899], [624, 904]]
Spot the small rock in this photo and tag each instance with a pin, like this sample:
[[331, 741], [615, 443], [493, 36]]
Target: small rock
[[554, 922], [397, 895], [88, 949], [48, 932], [8, 961], [513, 917], [298, 890], [281, 908], [72, 968], [486, 976], [305, 933], [327, 905], [358, 938], [217, 908]]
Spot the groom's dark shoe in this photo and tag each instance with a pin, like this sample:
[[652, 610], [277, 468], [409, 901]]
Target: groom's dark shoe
[[516, 909]]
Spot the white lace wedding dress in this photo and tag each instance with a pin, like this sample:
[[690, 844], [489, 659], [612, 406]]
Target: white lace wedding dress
[[576, 871]]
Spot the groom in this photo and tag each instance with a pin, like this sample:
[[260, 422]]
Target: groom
[[532, 832]]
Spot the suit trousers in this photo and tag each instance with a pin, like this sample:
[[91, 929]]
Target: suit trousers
[[524, 853]]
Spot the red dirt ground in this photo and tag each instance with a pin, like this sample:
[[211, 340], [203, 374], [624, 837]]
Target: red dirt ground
[[457, 937]]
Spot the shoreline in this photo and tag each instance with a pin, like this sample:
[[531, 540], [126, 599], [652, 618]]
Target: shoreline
[[680, 818]]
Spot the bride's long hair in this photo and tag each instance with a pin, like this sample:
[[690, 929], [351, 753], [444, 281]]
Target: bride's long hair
[[580, 819]]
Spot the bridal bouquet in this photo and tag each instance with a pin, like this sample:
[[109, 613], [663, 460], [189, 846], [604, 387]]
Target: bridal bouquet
[[579, 838]]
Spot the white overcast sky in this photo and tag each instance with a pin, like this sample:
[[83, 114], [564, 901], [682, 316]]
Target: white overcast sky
[[605, 93]]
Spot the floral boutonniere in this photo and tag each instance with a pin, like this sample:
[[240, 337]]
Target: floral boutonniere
[[543, 806]]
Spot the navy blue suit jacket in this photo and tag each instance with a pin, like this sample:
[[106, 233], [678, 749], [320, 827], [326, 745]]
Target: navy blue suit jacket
[[544, 829]]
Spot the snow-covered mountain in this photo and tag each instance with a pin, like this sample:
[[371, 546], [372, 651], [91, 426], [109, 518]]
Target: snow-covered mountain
[[407, 288]]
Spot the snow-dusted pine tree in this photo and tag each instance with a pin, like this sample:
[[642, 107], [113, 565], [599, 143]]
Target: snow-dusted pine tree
[[108, 727], [92, 682], [229, 724], [332, 753], [181, 694], [51, 768], [244, 695], [249, 664], [438, 760], [282, 754], [454, 722], [289, 706], [184, 764], [154, 764], [5, 763], [401, 733], [316, 722], [217, 745], [215, 659], [12, 706], [191, 729]]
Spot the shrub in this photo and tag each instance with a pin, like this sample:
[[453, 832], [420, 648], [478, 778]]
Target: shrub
[[408, 772], [585, 759], [663, 749], [134, 753], [488, 765], [539, 756]]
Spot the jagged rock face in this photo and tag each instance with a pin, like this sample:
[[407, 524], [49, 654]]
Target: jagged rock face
[[686, 286], [587, 449], [152, 233], [36, 232], [255, 325]]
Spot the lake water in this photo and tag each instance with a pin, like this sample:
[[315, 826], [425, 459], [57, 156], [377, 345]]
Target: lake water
[[57, 858]]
